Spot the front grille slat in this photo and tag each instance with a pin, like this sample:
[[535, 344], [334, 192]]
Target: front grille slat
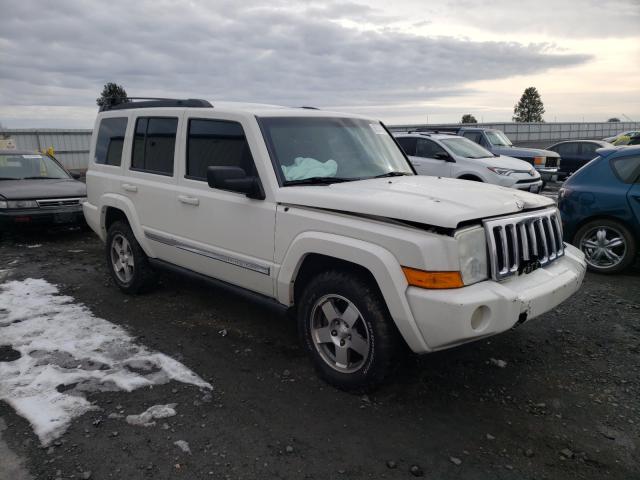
[[59, 202], [521, 243]]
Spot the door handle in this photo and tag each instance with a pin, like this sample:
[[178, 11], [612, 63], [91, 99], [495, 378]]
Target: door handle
[[129, 188], [189, 200]]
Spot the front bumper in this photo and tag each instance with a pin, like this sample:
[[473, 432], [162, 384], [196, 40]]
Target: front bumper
[[447, 318], [41, 217]]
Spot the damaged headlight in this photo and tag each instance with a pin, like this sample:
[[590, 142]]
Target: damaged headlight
[[472, 252]]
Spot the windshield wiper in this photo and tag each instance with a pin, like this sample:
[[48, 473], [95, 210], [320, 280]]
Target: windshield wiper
[[391, 174], [41, 178], [318, 181]]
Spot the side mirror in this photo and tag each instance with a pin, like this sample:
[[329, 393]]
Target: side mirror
[[442, 156], [75, 175], [236, 180]]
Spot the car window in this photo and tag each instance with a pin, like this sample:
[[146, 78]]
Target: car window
[[464, 147], [627, 168], [567, 149], [110, 141], [408, 144], [154, 145], [589, 150], [428, 148], [18, 166], [216, 143], [473, 136]]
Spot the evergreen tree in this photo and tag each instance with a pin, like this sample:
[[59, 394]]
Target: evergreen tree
[[530, 107], [110, 92]]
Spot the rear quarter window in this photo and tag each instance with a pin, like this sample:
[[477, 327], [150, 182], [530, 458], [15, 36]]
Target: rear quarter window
[[110, 141], [627, 169]]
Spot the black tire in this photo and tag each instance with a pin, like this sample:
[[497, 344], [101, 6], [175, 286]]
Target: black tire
[[627, 255], [142, 276], [374, 322]]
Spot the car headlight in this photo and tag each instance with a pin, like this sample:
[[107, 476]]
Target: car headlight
[[19, 204], [501, 171], [472, 252]]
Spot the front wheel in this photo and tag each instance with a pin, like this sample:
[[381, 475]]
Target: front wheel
[[608, 246], [347, 331]]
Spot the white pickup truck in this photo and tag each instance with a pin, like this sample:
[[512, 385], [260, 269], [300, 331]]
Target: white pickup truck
[[322, 213]]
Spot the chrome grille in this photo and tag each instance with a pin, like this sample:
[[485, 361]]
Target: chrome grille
[[59, 202], [521, 242]]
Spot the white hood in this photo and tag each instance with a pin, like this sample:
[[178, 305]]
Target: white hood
[[505, 162], [441, 202]]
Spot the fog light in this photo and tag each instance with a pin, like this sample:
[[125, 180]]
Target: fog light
[[480, 318]]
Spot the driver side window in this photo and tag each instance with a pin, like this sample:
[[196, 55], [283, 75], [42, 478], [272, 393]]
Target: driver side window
[[428, 148]]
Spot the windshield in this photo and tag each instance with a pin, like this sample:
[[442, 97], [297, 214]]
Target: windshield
[[463, 147], [498, 139], [18, 166], [341, 149]]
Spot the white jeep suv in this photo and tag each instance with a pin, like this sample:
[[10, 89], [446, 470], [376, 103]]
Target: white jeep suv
[[449, 155], [323, 214]]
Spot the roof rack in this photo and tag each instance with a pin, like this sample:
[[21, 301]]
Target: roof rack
[[124, 103], [423, 131], [309, 108], [437, 129]]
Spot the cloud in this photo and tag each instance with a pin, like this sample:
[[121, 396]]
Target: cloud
[[61, 53]]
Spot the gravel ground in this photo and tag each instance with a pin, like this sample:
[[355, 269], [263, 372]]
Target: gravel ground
[[554, 398]]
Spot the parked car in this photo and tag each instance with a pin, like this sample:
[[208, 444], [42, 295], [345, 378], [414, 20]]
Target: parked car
[[545, 161], [447, 155], [628, 133], [600, 207], [37, 190], [575, 154], [323, 214], [632, 139]]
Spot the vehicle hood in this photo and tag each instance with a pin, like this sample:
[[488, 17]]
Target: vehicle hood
[[503, 162], [520, 152], [440, 202], [46, 188]]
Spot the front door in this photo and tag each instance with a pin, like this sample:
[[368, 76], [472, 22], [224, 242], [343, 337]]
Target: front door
[[431, 159], [222, 234]]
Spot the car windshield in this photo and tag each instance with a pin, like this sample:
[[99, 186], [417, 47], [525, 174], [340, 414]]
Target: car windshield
[[463, 147], [327, 149], [498, 139], [21, 166]]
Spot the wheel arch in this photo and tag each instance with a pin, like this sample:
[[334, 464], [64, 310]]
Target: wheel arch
[[312, 252], [470, 176], [116, 207]]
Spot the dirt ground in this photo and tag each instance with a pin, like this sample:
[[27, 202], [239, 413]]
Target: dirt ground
[[565, 405]]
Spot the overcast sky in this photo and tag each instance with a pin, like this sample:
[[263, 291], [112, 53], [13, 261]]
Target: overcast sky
[[403, 61]]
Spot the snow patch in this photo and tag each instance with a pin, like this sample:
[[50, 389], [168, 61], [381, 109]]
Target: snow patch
[[146, 418], [67, 352]]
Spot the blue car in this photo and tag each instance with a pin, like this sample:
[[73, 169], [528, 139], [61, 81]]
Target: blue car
[[600, 208]]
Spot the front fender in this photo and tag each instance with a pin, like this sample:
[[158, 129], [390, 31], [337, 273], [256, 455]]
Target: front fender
[[384, 267]]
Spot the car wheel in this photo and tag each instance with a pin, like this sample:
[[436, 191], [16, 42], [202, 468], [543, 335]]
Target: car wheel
[[608, 246], [128, 264], [347, 330]]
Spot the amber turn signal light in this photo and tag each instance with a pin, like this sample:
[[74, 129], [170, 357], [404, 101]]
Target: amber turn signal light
[[423, 279]]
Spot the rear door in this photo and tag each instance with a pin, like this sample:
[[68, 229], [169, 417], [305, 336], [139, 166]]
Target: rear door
[[628, 170], [150, 180]]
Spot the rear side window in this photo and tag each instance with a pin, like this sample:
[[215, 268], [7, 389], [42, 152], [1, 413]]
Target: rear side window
[[110, 141], [627, 168], [154, 145], [216, 143], [567, 149], [408, 144], [589, 149]]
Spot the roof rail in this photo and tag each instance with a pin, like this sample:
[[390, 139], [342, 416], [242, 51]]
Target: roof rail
[[423, 131], [309, 108], [123, 103]]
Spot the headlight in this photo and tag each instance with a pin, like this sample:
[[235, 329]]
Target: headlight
[[472, 252], [19, 204], [501, 171], [3, 204]]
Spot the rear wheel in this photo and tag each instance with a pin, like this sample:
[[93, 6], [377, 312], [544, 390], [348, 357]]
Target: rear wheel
[[128, 264], [608, 246], [347, 330]]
